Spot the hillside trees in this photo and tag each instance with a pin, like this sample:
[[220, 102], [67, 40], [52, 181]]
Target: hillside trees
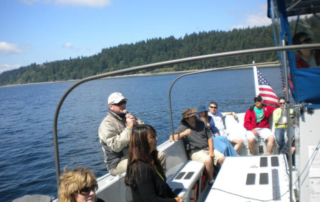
[[151, 51]]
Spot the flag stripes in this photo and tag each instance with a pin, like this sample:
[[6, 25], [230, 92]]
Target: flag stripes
[[265, 91]]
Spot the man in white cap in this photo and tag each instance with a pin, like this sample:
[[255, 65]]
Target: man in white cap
[[114, 134]]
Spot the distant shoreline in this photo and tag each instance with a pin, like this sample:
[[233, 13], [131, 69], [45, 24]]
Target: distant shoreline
[[246, 66]]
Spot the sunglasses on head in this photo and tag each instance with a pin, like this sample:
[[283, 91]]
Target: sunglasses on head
[[87, 190], [213, 107], [123, 102]]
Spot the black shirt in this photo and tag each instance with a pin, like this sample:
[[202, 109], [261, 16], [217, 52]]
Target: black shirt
[[150, 187], [198, 139]]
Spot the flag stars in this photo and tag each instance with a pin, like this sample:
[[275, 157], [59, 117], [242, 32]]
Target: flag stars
[[261, 79]]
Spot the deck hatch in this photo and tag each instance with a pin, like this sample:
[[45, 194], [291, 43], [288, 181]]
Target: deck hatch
[[264, 178], [180, 175], [251, 179], [264, 162], [274, 161], [189, 175], [275, 185]]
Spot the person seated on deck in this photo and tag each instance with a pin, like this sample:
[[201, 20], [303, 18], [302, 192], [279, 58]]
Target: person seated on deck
[[114, 134], [218, 119], [145, 175], [280, 129], [305, 58], [198, 141], [221, 143], [256, 121], [78, 185]]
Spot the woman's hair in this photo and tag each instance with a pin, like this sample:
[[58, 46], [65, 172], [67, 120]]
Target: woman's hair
[[213, 103], [139, 153], [73, 180], [204, 118], [282, 98], [296, 38]]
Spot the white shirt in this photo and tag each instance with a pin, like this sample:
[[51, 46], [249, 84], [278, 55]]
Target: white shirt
[[218, 120]]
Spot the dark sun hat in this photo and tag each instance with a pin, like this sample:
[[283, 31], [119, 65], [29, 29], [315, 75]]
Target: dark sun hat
[[188, 113]]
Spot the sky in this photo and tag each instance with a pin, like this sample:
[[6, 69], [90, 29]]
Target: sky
[[39, 31]]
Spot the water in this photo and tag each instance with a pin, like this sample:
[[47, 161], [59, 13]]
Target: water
[[26, 143]]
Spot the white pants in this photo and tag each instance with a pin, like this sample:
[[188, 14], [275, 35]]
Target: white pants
[[264, 133], [229, 136]]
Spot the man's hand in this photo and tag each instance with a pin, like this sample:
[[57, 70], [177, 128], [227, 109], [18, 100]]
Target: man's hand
[[211, 154], [179, 199], [255, 132], [170, 138], [234, 115], [130, 120]]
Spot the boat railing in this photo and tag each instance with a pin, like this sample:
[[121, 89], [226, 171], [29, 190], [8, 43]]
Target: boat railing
[[159, 65], [189, 74]]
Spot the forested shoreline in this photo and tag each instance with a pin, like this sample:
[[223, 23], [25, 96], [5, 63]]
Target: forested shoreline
[[151, 51]]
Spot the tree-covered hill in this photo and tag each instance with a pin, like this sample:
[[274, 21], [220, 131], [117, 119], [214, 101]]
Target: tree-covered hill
[[150, 51]]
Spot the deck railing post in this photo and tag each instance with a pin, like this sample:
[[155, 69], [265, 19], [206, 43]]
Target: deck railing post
[[287, 106]]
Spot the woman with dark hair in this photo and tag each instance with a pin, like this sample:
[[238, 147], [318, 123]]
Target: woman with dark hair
[[145, 175], [306, 58], [221, 143]]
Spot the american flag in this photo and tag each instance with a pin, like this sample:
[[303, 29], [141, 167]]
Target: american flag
[[266, 92]]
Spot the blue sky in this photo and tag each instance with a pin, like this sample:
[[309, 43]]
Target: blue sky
[[38, 31]]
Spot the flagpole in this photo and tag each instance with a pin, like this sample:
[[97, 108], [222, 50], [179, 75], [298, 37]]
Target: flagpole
[[255, 77]]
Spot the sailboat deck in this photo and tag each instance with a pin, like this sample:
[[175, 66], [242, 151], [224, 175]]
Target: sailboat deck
[[252, 177]]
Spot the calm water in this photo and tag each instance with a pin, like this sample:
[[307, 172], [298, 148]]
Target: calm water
[[26, 143]]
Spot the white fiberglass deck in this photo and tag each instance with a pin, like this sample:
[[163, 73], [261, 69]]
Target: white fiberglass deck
[[267, 181]]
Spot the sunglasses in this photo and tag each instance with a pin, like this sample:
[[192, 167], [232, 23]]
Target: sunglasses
[[87, 190], [282, 103], [213, 107], [307, 40], [123, 102]]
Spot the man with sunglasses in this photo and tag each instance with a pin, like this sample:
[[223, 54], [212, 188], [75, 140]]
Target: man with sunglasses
[[218, 119], [306, 58], [114, 133], [256, 121]]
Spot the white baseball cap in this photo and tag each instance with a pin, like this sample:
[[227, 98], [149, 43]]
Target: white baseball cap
[[115, 98]]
